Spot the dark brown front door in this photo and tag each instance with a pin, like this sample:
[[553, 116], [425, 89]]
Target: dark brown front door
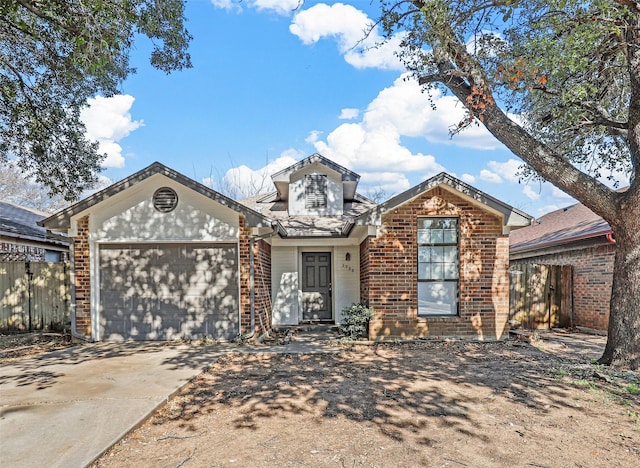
[[316, 286]]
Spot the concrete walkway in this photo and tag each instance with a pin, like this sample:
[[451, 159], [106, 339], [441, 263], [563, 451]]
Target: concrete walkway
[[65, 408]]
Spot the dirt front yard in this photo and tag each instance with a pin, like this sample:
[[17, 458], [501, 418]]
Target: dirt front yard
[[422, 404]]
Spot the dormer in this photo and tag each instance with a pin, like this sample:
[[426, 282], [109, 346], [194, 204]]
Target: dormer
[[315, 186]]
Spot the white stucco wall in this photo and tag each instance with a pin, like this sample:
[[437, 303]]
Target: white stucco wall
[[284, 285], [130, 217], [335, 196], [346, 279]]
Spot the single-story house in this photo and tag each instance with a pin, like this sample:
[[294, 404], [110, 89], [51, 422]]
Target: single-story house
[[159, 256], [577, 237], [21, 239]]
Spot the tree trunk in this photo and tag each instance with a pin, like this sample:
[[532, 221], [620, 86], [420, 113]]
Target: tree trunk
[[623, 343]]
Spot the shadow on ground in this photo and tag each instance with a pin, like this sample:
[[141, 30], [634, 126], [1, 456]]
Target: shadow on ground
[[406, 390]]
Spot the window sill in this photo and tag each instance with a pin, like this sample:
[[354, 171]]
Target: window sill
[[439, 318]]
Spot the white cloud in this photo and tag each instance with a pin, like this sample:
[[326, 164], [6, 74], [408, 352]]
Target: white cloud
[[374, 144], [349, 113], [548, 209], [229, 5], [468, 178], [557, 193], [107, 121], [507, 170], [389, 182], [361, 46], [489, 176], [530, 193], [242, 181], [281, 7], [314, 135]]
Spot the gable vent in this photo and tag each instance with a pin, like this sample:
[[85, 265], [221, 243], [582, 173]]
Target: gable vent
[[165, 199]]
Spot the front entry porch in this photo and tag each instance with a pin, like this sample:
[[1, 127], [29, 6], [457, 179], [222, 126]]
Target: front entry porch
[[313, 283]]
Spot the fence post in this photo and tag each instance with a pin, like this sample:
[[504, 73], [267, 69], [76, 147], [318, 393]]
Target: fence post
[[29, 284]]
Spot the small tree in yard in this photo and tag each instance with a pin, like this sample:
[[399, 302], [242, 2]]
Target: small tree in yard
[[570, 71], [355, 321]]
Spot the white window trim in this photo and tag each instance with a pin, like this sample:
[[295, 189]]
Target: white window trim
[[419, 244]]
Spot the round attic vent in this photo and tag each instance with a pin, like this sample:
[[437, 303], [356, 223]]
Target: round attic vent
[[165, 199]]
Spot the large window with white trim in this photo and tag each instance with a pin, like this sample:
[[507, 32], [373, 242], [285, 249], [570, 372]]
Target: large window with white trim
[[438, 266]]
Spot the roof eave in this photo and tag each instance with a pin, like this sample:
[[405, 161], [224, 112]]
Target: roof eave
[[61, 221], [559, 242], [511, 217]]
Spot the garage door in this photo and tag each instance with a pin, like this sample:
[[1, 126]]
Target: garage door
[[168, 291]]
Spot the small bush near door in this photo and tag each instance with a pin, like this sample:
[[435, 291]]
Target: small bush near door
[[355, 321]]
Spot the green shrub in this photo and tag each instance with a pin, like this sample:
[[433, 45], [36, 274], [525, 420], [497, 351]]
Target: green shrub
[[355, 321]]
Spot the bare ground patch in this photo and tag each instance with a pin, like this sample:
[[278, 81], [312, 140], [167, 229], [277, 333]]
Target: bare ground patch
[[421, 404], [20, 345]]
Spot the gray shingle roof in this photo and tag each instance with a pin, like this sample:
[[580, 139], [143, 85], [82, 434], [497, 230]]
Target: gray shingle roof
[[309, 226], [563, 226], [21, 223]]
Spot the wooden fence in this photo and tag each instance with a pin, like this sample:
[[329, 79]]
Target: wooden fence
[[541, 296], [34, 296]]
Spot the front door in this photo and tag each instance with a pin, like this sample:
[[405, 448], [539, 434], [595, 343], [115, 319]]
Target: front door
[[316, 286]]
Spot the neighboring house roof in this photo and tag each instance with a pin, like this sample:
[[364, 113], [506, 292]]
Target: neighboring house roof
[[21, 223], [560, 227], [62, 219], [309, 226], [511, 216]]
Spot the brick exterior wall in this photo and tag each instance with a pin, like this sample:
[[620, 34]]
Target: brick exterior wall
[[262, 282], [393, 266], [82, 278], [592, 280]]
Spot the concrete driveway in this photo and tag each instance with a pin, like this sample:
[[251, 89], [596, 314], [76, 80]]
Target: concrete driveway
[[64, 408]]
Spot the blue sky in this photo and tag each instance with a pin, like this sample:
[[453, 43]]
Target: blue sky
[[272, 83]]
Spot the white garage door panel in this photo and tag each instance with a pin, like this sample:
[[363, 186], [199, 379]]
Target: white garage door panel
[[165, 291]]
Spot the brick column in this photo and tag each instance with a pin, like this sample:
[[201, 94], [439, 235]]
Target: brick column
[[82, 278]]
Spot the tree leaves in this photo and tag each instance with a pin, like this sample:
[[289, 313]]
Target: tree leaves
[[56, 54]]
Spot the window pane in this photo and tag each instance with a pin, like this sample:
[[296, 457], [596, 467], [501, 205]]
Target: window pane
[[450, 271], [449, 254], [437, 271], [425, 223], [423, 236], [423, 254], [437, 298], [436, 254], [450, 223], [436, 236], [450, 236], [424, 270]]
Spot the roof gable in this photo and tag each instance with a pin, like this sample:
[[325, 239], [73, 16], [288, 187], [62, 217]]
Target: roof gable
[[62, 219], [286, 173], [283, 178], [511, 217]]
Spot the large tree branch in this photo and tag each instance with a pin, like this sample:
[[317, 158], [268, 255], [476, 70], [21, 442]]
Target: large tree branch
[[454, 60]]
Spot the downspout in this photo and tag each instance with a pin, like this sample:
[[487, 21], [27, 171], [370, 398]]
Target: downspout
[[611, 237], [252, 274]]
